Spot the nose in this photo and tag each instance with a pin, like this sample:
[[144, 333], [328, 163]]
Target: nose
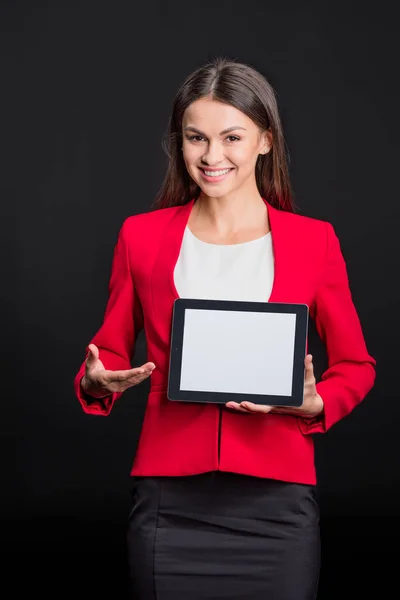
[[213, 154]]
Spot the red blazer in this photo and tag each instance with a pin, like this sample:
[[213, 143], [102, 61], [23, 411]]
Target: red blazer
[[184, 439]]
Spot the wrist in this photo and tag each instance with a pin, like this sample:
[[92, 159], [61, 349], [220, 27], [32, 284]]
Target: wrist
[[90, 390], [318, 408], [320, 404]]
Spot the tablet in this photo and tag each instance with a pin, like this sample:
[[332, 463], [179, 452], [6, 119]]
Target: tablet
[[229, 350]]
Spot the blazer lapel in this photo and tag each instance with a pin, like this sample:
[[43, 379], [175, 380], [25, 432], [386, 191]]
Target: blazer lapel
[[296, 264], [163, 290], [283, 245]]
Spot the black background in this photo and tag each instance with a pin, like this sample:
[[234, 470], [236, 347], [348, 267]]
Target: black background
[[87, 89]]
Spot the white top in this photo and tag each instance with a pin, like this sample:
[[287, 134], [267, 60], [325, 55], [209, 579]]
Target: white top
[[225, 272]]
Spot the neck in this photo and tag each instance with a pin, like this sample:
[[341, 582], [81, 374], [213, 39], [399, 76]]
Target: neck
[[231, 213]]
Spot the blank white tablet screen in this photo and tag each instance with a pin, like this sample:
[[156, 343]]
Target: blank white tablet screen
[[238, 352]]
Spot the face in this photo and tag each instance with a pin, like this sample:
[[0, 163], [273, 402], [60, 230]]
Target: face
[[221, 146]]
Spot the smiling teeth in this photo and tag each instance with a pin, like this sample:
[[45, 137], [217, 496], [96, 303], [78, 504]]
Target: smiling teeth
[[216, 173]]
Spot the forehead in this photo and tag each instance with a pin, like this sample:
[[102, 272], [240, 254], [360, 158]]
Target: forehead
[[207, 115]]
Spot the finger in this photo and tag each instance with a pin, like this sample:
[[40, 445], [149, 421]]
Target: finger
[[131, 374], [286, 410], [145, 369], [249, 407], [259, 408], [236, 406], [149, 366], [138, 377], [135, 374]]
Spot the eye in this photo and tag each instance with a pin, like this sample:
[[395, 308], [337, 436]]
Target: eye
[[195, 138], [233, 138]]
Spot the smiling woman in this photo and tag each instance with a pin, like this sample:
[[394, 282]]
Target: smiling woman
[[225, 116], [224, 495]]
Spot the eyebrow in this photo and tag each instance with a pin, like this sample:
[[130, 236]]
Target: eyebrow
[[234, 128]]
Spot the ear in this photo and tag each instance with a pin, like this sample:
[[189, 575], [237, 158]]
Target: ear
[[266, 141]]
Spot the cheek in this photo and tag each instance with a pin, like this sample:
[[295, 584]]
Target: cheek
[[243, 157], [191, 155]]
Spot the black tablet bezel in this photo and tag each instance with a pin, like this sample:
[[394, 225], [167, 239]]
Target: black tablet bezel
[[174, 393]]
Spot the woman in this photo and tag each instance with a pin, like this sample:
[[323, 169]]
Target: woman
[[224, 497]]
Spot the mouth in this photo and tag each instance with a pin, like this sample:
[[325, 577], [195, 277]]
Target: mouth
[[214, 175]]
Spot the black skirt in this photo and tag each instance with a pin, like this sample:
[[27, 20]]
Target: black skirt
[[219, 535]]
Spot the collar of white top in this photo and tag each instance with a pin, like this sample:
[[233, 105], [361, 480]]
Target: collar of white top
[[259, 239]]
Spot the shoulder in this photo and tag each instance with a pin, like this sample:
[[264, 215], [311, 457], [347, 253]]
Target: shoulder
[[316, 237], [147, 220], [303, 221], [305, 226], [147, 226]]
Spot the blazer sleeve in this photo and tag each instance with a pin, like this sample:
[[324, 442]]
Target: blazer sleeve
[[123, 319], [351, 370]]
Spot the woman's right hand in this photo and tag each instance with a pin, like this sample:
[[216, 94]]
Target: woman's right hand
[[100, 382]]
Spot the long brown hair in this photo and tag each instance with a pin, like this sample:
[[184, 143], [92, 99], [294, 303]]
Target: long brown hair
[[247, 90]]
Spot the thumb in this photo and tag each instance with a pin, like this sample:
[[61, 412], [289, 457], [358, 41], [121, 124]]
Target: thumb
[[93, 355], [309, 367]]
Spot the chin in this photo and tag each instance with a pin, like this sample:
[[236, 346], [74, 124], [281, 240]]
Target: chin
[[215, 192]]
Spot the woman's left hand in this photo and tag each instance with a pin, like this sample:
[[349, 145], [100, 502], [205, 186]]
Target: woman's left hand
[[312, 405]]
